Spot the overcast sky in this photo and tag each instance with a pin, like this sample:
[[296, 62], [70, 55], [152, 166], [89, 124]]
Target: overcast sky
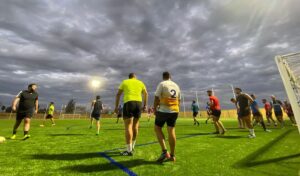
[[61, 45]]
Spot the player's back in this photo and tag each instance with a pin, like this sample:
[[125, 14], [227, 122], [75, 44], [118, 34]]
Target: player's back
[[169, 94]]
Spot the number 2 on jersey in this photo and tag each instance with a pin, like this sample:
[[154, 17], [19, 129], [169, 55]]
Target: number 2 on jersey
[[173, 93]]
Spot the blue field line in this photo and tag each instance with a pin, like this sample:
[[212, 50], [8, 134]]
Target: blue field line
[[112, 161], [125, 169]]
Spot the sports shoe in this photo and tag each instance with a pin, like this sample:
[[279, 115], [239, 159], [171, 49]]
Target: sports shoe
[[267, 130], [251, 136], [42, 125], [172, 158], [126, 153], [13, 136], [53, 124], [163, 157], [26, 136]]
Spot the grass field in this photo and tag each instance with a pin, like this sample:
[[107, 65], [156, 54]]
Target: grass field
[[70, 148]]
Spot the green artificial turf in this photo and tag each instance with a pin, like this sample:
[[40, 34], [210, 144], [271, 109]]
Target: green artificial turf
[[70, 148]]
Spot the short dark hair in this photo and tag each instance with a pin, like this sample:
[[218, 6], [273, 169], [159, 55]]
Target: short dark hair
[[32, 84], [237, 88], [52, 102], [131, 75], [166, 75], [194, 101], [209, 90], [98, 97], [232, 99]]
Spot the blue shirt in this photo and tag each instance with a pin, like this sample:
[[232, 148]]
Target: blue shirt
[[253, 107]]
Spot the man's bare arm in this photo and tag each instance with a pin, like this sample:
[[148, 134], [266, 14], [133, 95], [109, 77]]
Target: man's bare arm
[[36, 106], [14, 103], [155, 104], [118, 96], [145, 98]]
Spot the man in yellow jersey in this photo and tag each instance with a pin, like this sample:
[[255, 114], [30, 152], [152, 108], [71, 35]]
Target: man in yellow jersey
[[132, 108], [50, 112], [166, 108]]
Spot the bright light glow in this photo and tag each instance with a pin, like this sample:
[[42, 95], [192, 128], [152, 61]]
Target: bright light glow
[[95, 84]]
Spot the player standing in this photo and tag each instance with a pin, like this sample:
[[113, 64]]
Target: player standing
[[257, 116], [195, 110], [97, 107], [50, 113], [132, 108], [277, 106], [208, 112], [289, 111], [150, 112], [166, 108], [240, 120], [268, 109], [243, 104], [215, 112], [28, 105]]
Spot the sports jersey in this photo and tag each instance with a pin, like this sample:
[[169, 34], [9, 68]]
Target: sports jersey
[[277, 106], [169, 95], [132, 89], [254, 106], [243, 104], [51, 110], [97, 107], [268, 106], [195, 107], [27, 101], [216, 104]]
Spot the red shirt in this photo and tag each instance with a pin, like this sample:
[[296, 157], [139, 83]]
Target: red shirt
[[216, 104], [267, 106]]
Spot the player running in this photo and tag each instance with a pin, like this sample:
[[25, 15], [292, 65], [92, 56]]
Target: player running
[[166, 108], [132, 108], [268, 109], [49, 115], [277, 106], [28, 105], [240, 120], [243, 105], [257, 116], [120, 113], [289, 111], [97, 107], [195, 110], [215, 112]]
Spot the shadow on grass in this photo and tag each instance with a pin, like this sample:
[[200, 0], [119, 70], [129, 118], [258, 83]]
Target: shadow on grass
[[114, 129], [198, 134], [82, 168], [65, 156], [54, 135], [229, 137], [249, 161]]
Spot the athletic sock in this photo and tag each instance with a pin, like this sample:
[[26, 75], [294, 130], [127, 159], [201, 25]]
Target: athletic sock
[[25, 133], [164, 151], [252, 132], [133, 144], [129, 147]]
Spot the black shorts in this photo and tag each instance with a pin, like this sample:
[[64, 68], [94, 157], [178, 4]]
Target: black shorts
[[163, 117], [216, 113], [49, 116], [195, 114], [95, 116], [23, 115], [278, 113], [132, 109], [244, 113]]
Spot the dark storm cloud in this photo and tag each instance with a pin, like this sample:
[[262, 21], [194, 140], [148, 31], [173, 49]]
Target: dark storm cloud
[[62, 45]]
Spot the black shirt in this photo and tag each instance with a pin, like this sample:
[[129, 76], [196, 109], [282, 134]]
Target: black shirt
[[97, 107], [243, 104], [27, 101]]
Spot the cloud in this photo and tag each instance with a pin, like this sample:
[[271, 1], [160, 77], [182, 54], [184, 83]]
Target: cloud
[[62, 45]]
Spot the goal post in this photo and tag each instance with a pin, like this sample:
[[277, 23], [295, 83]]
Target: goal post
[[289, 70]]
